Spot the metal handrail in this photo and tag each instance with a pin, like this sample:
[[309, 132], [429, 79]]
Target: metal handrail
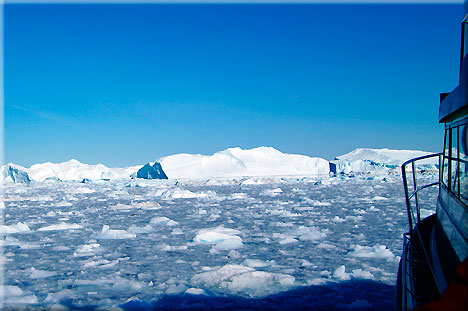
[[416, 190], [407, 236]]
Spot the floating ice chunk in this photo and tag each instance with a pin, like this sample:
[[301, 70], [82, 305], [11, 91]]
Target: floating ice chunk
[[288, 240], [13, 295], [308, 233], [316, 203], [147, 205], [326, 246], [176, 289], [60, 226], [195, 291], [212, 217], [355, 218], [10, 241], [273, 192], [256, 263], [377, 251], [379, 198], [306, 263], [145, 229], [338, 219], [122, 206], [107, 233], [222, 238], [29, 246], [43, 198], [238, 196], [18, 228], [169, 248], [63, 204], [86, 250], [60, 295], [219, 182], [117, 284], [40, 274], [216, 276], [361, 274], [243, 280], [257, 282], [317, 281], [217, 234], [341, 274], [177, 193], [82, 190], [177, 231], [282, 224], [252, 181], [163, 221], [61, 248], [283, 213], [229, 244], [98, 262]]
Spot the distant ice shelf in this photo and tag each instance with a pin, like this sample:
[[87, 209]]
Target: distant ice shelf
[[229, 163]]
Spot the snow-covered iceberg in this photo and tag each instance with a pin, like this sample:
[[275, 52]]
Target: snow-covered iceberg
[[365, 160], [74, 170], [236, 162], [11, 173]]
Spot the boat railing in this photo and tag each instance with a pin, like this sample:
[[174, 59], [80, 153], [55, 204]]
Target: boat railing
[[414, 217], [413, 207]]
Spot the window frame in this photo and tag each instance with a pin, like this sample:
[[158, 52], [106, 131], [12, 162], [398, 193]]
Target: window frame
[[451, 185]]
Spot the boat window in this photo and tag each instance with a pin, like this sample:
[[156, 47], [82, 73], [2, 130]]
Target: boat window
[[445, 168], [463, 149]]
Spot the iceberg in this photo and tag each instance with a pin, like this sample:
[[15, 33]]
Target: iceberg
[[11, 173], [151, 172], [74, 170], [237, 162], [366, 160], [229, 163]]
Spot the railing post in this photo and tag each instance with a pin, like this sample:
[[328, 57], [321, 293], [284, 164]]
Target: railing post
[[408, 202], [404, 273], [415, 187]]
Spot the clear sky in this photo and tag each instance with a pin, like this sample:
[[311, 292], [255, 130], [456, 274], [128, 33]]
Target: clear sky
[[125, 84]]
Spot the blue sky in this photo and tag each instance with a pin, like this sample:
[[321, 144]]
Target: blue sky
[[126, 84]]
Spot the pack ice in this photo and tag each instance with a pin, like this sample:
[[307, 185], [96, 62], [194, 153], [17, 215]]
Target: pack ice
[[234, 239]]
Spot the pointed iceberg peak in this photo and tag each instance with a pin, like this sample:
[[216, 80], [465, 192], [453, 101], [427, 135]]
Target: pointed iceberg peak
[[151, 172], [73, 161]]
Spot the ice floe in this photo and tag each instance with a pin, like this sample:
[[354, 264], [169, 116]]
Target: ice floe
[[377, 251], [19, 227], [15, 295], [60, 226], [222, 238], [243, 280], [163, 221], [39, 274], [107, 233]]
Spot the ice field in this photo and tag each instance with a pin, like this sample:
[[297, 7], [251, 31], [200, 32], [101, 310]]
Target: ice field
[[271, 243]]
